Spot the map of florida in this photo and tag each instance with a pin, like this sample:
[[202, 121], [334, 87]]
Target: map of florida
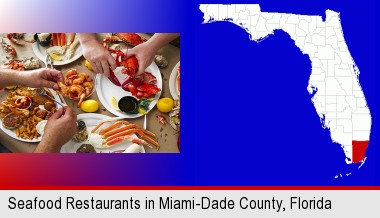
[[334, 81]]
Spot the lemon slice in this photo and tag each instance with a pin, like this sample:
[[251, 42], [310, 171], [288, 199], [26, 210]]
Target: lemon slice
[[114, 103], [55, 57], [142, 111], [88, 65]]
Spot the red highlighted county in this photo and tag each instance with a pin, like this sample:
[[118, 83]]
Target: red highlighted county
[[358, 150]]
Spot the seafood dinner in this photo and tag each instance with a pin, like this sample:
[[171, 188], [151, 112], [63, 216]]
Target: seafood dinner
[[23, 109], [120, 131], [77, 86]]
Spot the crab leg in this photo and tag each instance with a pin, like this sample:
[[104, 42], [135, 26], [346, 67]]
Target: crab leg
[[110, 39], [127, 137], [70, 38], [150, 133], [146, 138], [63, 39], [100, 124], [123, 133], [112, 132], [115, 125]]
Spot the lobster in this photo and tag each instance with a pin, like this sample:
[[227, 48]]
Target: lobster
[[131, 39], [143, 85]]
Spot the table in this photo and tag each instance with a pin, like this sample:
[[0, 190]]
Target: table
[[167, 136]]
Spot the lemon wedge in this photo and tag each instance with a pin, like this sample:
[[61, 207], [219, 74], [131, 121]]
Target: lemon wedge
[[88, 65], [114, 103], [55, 57], [142, 111]]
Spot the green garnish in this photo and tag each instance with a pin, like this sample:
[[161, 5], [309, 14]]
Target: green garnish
[[144, 104]]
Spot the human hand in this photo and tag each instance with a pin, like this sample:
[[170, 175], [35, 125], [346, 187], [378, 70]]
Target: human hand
[[99, 57], [144, 54], [59, 129], [43, 77]]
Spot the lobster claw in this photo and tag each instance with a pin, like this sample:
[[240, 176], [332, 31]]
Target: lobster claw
[[113, 78]]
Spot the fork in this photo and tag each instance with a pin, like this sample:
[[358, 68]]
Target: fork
[[42, 91], [48, 62]]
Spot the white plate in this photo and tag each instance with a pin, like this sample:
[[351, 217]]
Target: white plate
[[106, 90], [40, 52], [173, 83], [12, 133], [91, 120]]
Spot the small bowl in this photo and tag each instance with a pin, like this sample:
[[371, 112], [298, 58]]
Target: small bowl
[[129, 105], [29, 105], [43, 43]]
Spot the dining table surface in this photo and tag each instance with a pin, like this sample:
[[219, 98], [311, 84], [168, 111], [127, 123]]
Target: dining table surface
[[166, 134]]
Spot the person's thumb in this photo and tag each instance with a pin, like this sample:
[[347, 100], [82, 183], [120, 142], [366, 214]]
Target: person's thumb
[[57, 114]]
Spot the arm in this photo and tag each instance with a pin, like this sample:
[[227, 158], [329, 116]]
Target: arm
[[9, 77], [146, 51], [42, 77], [99, 57]]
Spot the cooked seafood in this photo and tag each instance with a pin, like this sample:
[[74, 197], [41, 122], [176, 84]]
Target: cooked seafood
[[130, 38], [120, 131], [70, 38], [31, 63], [161, 119], [14, 65], [49, 105], [25, 103], [76, 86], [8, 48], [56, 50], [72, 47], [161, 61], [18, 38], [41, 114], [140, 86]]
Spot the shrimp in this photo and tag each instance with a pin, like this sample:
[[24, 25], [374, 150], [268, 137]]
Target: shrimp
[[87, 87], [76, 91], [63, 88], [80, 78], [71, 73]]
